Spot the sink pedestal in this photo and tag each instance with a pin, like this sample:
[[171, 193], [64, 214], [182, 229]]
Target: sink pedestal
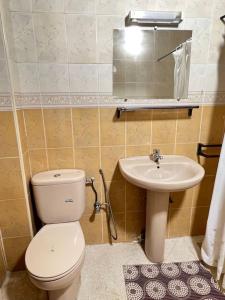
[[156, 225]]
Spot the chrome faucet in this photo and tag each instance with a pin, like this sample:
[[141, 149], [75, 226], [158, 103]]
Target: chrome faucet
[[156, 156]]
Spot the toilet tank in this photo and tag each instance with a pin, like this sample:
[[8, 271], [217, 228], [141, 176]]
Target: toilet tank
[[59, 195]]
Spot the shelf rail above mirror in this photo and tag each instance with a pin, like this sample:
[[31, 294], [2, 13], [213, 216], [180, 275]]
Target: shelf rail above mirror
[[129, 108]]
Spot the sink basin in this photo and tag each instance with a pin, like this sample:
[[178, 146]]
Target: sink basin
[[174, 172]]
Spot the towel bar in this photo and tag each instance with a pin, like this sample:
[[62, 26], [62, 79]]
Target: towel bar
[[200, 152], [122, 109]]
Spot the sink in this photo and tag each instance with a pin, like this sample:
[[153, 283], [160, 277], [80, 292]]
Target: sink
[[174, 173]]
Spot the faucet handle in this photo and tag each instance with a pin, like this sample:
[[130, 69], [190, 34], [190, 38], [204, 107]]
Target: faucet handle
[[156, 151]]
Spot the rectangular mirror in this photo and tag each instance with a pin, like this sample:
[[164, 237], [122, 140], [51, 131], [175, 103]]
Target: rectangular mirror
[[152, 64]]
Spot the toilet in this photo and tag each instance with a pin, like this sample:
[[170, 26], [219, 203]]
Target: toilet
[[55, 256]]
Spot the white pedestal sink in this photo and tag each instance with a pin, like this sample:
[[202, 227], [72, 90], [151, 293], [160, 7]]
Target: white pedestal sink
[[174, 173]]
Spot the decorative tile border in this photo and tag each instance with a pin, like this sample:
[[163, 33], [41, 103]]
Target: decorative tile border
[[28, 101], [73, 100], [5, 102], [212, 98]]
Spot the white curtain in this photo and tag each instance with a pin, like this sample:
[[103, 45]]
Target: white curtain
[[182, 58], [213, 248]]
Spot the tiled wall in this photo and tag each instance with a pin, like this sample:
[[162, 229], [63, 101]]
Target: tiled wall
[[13, 212], [66, 45], [92, 138], [14, 223]]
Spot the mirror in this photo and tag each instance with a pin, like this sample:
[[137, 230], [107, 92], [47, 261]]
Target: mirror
[[152, 64]]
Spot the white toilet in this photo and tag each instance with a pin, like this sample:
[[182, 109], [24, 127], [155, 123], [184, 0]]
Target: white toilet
[[55, 255]]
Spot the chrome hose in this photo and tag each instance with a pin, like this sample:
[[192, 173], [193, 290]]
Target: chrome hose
[[110, 217]]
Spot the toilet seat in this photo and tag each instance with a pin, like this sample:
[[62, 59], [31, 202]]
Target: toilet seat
[[56, 251]]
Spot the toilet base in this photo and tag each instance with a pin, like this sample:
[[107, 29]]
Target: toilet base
[[68, 293]]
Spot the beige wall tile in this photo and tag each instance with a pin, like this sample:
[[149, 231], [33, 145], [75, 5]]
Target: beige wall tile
[[60, 158], [135, 225], [15, 249], [38, 161], [110, 157], [135, 198], [179, 222], [163, 127], [189, 150], [138, 128], [58, 127], [86, 127], [182, 199], [199, 220], [23, 136], [212, 127], [26, 165], [8, 140], [13, 218], [165, 149], [188, 127], [116, 195], [120, 226], [203, 192], [10, 177], [210, 164], [34, 127], [92, 228], [137, 150], [112, 129], [88, 159]]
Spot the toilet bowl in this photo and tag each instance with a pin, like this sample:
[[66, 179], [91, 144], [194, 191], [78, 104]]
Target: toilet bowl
[[55, 256], [54, 259]]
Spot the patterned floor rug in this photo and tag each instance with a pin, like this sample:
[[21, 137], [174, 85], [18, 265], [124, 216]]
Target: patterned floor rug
[[186, 280]]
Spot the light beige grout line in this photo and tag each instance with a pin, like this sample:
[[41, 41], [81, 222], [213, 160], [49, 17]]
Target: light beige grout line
[[68, 71], [210, 31], [190, 218], [24, 123], [72, 132], [223, 127], [30, 165], [202, 206], [9, 157], [52, 148], [100, 163], [125, 193], [36, 49], [200, 127], [45, 138], [16, 237], [99, 136], [40, 95], [12, 199], [125, 134], [25, 126], [176, 129], [151, 131], [67, 51], [2, 249]]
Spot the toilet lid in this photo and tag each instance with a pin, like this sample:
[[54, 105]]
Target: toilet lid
[[55, 249]]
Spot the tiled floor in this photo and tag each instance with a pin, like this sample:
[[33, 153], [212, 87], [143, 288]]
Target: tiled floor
[[102, 276]]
